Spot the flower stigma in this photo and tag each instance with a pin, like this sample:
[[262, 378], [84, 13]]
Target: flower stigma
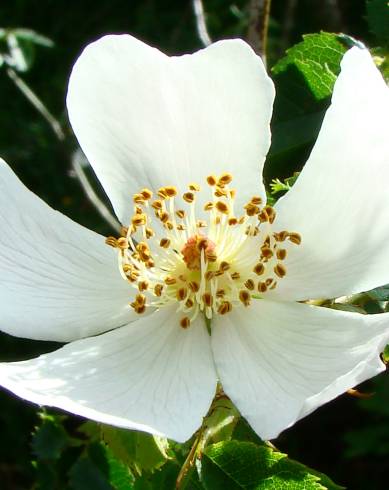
[[203, 265]]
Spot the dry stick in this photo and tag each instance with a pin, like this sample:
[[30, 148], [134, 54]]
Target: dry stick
[[58, 131], [200, 22], [259, 13]]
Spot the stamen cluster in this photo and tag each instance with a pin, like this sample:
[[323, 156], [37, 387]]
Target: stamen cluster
[[203, 265]]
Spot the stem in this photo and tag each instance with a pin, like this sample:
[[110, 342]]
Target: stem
[[258, 26], [194, 453], [61, 136], [201, 25], [37, 103], [91, 194]]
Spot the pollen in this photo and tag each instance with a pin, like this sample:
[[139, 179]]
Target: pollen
[[205, 265]]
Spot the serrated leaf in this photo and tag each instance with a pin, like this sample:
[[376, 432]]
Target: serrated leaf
[[243, 465], [138, 450], [304, 81], [317, 59], [378, 19]]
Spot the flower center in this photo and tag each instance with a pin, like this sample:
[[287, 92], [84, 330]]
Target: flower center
[[203, 265]]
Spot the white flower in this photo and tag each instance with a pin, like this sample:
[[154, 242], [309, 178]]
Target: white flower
[[140, 355]]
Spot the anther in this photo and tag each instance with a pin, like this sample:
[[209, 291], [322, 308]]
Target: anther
[[181, 294], [235, 275], [207, 298], [208, 206], [220, 293], [250, 284], [266, 253], [189, 303], [222, 207], [158, 288], [122, 243], [256, 200], [280, 270], [224, 266], [149, 232], [138, 199], [244, 297], [271, 213], [211, 180], [281, 236], [185, 322], [262, 288], [194, 286], [188, 197], [164, 243], [170, 280], [232, 221], [194, 187], [224, 179], [170, 191], [138, 219], [156, 204], [180, 213], [143, 285], [281, 254], [259, 269], [294, 238], [224, 307], [111, 241], [147, 194], [162, 193]]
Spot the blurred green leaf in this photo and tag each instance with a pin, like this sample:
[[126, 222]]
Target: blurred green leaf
[[138, 450], [378, 19], [244, 465], [379, 294], [49, 439]]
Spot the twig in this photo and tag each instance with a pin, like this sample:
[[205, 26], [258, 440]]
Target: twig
[[37, 103], [200, 22], [61, 136], [90, 192], [259, 13]]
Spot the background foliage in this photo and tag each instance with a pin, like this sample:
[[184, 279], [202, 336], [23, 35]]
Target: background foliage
[[347, 439]]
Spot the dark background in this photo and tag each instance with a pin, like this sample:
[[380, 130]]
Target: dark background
[[347, 439]]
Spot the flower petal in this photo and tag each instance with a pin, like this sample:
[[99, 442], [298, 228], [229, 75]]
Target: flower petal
[[58, 280], [280, 361], [146, 119], [340, 202], [151, 375]]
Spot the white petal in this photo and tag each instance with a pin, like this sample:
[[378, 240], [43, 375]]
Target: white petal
[[279, 361], [146, 119], [151, 375], [58, 280], [340, 202]]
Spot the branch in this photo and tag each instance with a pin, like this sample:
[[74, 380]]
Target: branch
[[259, 13], [77, 167], [60, 134], [200, 22]]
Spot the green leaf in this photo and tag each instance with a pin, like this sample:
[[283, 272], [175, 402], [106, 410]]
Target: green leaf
[[304, 80], [313, 66], [138, 450], [243, 465], [385, 354], [379, 294], [378, 19], [49, 439]]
